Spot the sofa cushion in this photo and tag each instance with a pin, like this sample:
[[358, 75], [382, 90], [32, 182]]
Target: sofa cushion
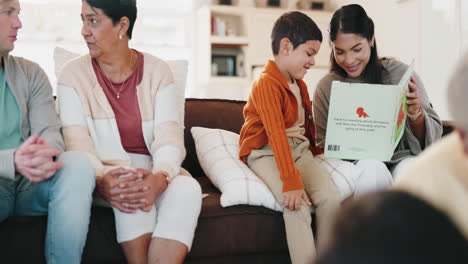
[[237, 234], [218, 153], [210, 113], [232, 231], [22, 239], [101, 244], [236, 230]]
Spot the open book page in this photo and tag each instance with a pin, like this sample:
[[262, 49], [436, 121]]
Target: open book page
[[366, 121]]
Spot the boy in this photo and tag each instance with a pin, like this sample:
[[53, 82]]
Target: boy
[[277, 138]]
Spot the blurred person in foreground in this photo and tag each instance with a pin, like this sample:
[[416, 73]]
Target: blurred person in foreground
[[391, 227], [440, 174]]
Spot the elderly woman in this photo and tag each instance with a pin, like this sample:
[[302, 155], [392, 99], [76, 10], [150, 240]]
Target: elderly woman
[[119, 105]]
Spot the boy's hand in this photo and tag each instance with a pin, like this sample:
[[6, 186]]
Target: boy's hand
[[292, 199]]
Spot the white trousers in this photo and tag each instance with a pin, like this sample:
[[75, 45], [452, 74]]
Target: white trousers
[[174, 215], [357, 178], [399, 168]]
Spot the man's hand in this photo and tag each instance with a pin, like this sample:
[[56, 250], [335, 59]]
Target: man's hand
[[34, 159], [292, 199]]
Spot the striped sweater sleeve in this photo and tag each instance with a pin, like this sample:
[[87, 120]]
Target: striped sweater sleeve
[[168, 149], [268, 102], [74, 127]]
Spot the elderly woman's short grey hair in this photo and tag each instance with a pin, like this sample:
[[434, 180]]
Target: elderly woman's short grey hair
[[458, 93]]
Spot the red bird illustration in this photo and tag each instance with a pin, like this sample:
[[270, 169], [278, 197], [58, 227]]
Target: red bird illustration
[[361, 113], [401, 115]]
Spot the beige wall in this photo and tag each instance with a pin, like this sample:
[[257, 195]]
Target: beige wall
[[441, 46], [396, 26], [433, 32]]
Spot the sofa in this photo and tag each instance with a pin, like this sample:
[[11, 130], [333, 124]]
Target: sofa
[[236, 234]]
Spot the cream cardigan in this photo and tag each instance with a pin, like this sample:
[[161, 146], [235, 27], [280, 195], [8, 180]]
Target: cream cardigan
[[439, 176], [89, 124]]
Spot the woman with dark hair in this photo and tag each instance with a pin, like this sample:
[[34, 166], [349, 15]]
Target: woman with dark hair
[[354, 58], [120, 106]]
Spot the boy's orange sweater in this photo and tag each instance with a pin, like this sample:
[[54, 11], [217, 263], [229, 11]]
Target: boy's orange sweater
[[270, 109]]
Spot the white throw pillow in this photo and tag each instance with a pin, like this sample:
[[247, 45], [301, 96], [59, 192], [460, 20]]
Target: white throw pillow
[[178, 67], [218, 154]]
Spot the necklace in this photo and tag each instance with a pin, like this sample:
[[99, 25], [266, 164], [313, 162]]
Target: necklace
[[123, 84]]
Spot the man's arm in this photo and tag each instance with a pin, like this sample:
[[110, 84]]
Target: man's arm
[[38, 101], [7, 164], [43, 118]]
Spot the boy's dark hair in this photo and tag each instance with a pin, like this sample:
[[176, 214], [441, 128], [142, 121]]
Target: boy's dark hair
[[295, 26], [393, 227], [353, 19], [116, 9]]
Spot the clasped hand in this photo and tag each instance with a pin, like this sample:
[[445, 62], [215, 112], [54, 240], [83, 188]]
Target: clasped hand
[[34, 159], [131, 190]]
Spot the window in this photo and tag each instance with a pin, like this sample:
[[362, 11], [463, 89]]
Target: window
[[162, 28]]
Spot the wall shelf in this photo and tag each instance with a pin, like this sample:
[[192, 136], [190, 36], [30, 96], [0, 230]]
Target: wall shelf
[[229, 41], [244, 35]]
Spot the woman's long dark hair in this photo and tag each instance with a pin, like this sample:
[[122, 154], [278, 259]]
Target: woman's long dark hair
[[353, 19]]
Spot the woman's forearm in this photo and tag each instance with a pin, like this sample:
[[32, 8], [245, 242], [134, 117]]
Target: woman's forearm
[[418, 127]]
